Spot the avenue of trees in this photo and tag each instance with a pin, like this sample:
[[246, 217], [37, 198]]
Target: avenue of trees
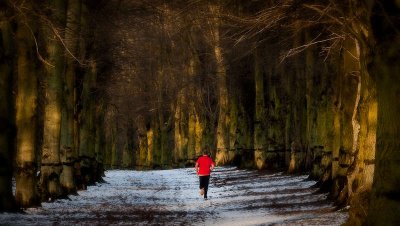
[[50, 104], [301, 86]]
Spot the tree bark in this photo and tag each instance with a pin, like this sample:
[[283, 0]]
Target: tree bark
[[26, 113], [180, 134], [260, 136], [67, 143], [87, 128], [222, 156], [142, 142], [51, 165], [385, 201], [7, 120]]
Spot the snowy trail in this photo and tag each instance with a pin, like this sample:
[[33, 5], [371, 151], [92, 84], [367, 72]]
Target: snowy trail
[[170, 197]]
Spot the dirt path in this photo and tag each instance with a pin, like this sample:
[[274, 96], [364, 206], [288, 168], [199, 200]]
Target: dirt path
[[170, 197]]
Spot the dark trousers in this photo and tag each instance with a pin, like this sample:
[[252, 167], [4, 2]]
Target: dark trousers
[[204, 181]]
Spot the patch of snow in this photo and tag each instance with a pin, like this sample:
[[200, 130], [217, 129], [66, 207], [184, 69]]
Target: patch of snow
[[236, 197]]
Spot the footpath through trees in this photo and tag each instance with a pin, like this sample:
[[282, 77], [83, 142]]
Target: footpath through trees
[[236, 197]]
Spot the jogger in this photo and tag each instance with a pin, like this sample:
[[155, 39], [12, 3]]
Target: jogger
[[204, 166]]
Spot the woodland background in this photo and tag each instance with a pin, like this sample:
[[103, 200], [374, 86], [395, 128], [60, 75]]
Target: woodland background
[[304, 86]]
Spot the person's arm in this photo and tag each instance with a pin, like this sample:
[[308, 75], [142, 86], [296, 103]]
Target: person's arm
[[197, 168]]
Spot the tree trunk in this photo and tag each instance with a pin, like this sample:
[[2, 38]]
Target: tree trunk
[[111, 131], [51, 165], [150, 147], [142, 142], [298, 85], [67, 145], [234, 129], [385, 201], [26, 115], [7, 120], [87, 128], [194, 145], [260, 136], [360, 176], [222, 156], [180, 136], [348, 154], [336, 107], [100, 142], [317, 154]]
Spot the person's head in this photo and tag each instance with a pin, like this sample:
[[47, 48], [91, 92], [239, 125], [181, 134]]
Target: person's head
[[206, 151]]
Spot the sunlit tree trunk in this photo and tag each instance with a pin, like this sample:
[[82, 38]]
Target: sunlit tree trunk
[[194, 145], [67, 145], [385, 202], [199, 130], [7, 125], [360, 174], [180, 137], [222, 138], [157, 141], [336, 109], [51, 165], [301, 103], [142, 142], [191, 149], [26, 114], [350, 119], [150, 147], [260, 136]]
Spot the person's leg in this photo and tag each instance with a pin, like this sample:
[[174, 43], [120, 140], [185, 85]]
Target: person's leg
[[206, 182], [202, 184]]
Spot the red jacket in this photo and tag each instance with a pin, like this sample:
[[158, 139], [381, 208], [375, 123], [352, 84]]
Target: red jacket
[[204, 164]]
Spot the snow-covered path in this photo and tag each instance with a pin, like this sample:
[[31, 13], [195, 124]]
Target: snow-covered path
[[170, 197]]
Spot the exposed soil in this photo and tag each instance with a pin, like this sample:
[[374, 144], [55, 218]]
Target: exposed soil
[[171, 197]]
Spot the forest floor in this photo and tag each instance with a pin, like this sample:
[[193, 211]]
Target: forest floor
[[171, 197]]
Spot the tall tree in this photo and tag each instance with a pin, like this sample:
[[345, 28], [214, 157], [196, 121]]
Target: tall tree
[[68, 122], [7, 125], [385, 23], [87, 126], [222, 156], [54, 71], [260, 138], [26, 108]]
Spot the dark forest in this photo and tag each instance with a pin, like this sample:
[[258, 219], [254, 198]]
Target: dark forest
[[304, 87]]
